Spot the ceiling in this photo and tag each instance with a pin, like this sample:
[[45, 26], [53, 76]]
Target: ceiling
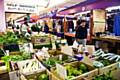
[[65, 4]]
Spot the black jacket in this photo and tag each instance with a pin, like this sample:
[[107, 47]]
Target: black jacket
[[81, 33]]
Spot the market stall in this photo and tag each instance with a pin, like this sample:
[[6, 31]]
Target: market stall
[[36, 52]]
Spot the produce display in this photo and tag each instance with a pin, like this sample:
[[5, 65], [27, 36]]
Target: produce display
[[43, 77], [105, 62], [51, 62], [11, 42], [8, 38], [30, 67], [109, 56], [45, 65], [102, 62], [107, 76], [16, 57], [73, 71], [61, 59]]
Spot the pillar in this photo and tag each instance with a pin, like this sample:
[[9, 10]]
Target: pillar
[[2, 17]]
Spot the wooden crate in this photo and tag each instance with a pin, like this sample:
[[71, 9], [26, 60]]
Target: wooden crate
[[4, 76], [1, 33], [116, 74], [35, 76], [52, 53], [106, 69], [1, 46], [114, 68], [15, 53], [23, 65], [88, 75], [55, 52]]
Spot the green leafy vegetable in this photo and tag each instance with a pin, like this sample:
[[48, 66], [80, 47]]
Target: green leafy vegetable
[[51, 62], [73, 71], [43, 77], [107, 76]]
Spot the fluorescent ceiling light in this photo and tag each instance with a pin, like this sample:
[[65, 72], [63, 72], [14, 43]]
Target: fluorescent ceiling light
[[111, 8], [82, 13]]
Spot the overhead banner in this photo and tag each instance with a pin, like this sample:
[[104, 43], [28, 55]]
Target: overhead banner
[[20, 7]]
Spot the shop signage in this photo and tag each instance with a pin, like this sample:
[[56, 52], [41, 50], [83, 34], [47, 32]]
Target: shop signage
[[20, 7]]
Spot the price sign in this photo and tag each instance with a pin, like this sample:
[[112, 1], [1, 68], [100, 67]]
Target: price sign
[[119, 65], [61, 71], [41, 40], [67, 50]]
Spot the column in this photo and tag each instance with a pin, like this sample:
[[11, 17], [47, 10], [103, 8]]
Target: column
[[2, 17]]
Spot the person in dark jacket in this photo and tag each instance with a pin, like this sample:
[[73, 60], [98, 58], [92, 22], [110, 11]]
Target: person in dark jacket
[[81, 32], [46, 28]]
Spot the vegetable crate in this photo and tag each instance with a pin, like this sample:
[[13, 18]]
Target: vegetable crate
[[54, 52], [61, 59], [30, 67], [88, 74], [51, 53], [44, 75], [114, 68], [4, 76]]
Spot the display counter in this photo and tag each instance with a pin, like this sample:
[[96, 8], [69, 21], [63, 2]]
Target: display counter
[[108, 38], [112, 43], [70, 37], [70, 34]]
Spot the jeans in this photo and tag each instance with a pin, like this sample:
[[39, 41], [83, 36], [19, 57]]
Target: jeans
[[82, 41]]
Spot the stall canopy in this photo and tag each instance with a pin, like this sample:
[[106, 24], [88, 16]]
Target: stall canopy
[[90, 5]]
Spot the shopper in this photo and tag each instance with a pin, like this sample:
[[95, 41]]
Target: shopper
[[13, 25], [46, 28], [25, 27], [81, 32], [58, 27]]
